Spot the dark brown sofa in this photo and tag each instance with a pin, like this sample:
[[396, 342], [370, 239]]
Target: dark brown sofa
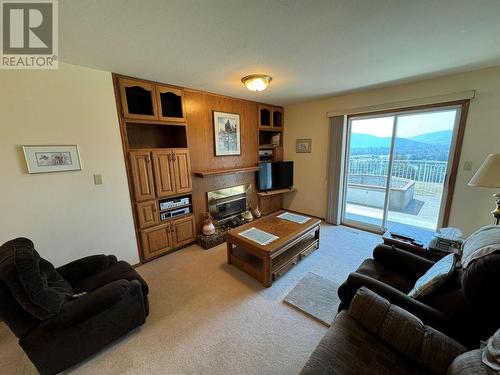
[[376, 337], [465, 308], [62, 316]]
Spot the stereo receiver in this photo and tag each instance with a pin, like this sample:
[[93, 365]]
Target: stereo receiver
[[168, 204], [171, 214]]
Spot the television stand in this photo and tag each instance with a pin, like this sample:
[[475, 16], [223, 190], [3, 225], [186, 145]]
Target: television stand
[[272, 200]]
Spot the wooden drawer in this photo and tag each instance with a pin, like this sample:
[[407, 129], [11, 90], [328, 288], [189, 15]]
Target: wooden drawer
[[147, 214], [285, 267], [308, 250]]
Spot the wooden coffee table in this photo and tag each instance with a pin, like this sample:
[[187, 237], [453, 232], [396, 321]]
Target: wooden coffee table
[[266, 263]]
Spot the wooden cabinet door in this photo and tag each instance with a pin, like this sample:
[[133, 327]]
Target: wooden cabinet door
[[138, 99], [170, 101], [265, 116], [277, 118], [156, 241], [142, 175], [278, 154], [164, 173], [147, 214], [183, 231], [270, 203], [265, 205], [182, 171], [277, 202]]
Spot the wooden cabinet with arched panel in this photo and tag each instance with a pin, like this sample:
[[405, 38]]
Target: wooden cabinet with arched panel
[[138, 99], [170, 104], [146, 101]]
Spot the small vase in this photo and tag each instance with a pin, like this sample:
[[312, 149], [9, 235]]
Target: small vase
[[247, 216], [256, 212], [208, 226]]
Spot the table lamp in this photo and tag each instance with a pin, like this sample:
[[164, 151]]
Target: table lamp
[[488, 175]]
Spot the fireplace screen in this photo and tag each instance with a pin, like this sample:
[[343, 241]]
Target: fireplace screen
[[225, 204]]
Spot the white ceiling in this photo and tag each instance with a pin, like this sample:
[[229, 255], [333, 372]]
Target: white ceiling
[[311, 48]]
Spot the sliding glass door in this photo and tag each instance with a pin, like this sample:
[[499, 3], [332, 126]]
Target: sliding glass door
[[370, 142], [397, 166]]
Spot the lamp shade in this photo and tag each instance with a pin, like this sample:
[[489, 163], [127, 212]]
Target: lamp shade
[[488, 174]]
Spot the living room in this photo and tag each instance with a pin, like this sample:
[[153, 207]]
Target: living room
[[208, 166]]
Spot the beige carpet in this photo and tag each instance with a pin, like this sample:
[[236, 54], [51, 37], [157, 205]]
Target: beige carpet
[[210, 318]]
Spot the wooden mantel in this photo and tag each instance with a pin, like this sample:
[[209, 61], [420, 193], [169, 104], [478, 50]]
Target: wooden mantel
[[219, 172]]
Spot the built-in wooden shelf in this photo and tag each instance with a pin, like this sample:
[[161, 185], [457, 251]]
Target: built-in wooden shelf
[[219, 172], [175, 208], [154, 122], [270, 129], [267, 147], [275, 192]]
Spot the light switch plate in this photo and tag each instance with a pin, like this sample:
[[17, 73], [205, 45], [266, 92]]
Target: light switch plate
[[97, 179], [468, 166]]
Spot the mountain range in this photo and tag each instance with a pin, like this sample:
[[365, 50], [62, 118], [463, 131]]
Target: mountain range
[[428, 146], [434, 138]]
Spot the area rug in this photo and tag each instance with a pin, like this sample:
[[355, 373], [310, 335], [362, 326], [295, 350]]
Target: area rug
[[316, 297]]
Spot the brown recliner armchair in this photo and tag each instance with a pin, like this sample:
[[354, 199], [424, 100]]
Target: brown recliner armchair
[[62, 316], [466, 308]]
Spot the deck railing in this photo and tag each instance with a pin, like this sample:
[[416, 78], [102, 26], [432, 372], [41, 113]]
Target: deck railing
[[429, 176]]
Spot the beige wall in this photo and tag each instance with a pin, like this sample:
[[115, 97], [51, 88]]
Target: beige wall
[[470, 207], [65, 214]]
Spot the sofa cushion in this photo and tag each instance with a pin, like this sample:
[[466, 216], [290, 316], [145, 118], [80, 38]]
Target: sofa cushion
[[371, 309], [117, 271], [483, 242], [379, 272], [349, 349], [491, 353], [441, 272], [404, 332], [33, 282], [470, 363]]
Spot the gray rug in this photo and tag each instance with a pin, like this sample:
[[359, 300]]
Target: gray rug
[[316, 297]]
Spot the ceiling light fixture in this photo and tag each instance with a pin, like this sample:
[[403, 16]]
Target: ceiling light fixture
[[256, 82]]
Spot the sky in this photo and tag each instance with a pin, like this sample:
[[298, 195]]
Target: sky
[[408, 125]]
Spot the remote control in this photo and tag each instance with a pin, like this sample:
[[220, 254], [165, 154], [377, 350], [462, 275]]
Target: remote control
[[402, 236], [417, 243]]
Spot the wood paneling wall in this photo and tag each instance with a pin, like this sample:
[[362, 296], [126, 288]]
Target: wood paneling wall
[[199, 106]]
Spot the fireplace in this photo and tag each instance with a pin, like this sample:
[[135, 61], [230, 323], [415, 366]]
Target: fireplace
[[226, 204]]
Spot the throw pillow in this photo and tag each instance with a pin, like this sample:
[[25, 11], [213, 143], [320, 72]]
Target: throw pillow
[[435, 276], [491, 353], [482, 242]]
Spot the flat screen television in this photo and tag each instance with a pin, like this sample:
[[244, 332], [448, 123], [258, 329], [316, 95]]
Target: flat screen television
[[275, 175]]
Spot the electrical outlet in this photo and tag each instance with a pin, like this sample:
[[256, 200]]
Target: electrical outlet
[[97, 179], [468, 166]]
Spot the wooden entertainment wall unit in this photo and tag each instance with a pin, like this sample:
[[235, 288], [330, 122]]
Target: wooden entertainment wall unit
[[168, 144]]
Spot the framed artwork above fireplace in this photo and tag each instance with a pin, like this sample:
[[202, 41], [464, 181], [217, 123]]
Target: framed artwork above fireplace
[[227, 133]]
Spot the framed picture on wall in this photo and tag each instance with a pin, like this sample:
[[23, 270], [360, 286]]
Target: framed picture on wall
[[303, 146], [44, 159], [227, 133]]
